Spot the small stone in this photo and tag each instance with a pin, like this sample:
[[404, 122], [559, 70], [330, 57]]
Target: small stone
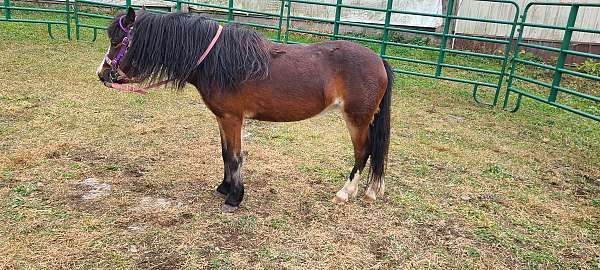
[[456, 117], [136, 227], [97, 189], [148, 203]]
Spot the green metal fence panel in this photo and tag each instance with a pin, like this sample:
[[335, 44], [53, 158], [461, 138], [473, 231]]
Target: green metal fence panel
[[554, 87], [63, 19]]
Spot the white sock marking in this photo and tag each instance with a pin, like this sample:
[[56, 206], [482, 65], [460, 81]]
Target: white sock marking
[[350, 188]]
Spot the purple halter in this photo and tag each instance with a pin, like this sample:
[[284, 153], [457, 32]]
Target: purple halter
[[114, 63]]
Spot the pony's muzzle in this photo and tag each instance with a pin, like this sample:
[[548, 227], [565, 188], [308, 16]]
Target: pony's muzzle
[[108, 76]]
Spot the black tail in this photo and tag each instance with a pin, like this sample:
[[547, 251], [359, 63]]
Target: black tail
[[379, 133]]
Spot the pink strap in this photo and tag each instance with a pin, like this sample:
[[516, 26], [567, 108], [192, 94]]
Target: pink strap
[[136, 89], [211, 45]]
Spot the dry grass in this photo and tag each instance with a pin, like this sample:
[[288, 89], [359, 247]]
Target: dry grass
[[468, 186]]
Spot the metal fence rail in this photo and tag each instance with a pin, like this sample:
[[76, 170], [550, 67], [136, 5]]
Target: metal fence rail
[[558, 69], [285, 26], [7, 8]]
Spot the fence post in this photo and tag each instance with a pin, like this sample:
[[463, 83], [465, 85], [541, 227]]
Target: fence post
[[7, 10], [127, 3], [560, 63], [76, 18], [336, 21], [515, 55], [441, 56], [287, 20], [68, 18], [280, 24], [386, 25], [230, 11], [178, 6], [507, 52]]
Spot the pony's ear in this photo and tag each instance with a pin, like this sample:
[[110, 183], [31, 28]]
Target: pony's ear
[[143, 7], [130, 17]]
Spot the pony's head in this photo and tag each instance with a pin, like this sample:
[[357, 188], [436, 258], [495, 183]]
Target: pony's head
[[182, 47], [112, 68]]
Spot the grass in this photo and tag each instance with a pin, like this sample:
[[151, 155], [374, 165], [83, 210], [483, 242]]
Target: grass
[[467, 186]]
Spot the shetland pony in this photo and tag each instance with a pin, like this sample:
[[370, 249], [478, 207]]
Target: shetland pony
[[239, 74]]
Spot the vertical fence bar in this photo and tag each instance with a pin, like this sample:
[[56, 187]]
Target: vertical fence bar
[[68, 18], [280, 23], [560, 63], [230, 11], [76, 18], [178, 6], [507, 52], [287, 21], [7, 9], [50, 31], [515, 56], [127, 3], [442, 55], [386, 26], [336, 21]]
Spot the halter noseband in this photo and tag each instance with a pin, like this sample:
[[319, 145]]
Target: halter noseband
[[114, 63]]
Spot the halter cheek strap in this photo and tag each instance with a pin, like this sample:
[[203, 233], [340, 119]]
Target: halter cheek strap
[[124, 45]]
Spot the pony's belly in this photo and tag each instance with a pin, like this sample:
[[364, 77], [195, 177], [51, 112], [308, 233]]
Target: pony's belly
[[292, 111], [282, 116]]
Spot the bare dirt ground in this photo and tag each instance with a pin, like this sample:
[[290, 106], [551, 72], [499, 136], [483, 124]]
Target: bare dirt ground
[[93, 178]]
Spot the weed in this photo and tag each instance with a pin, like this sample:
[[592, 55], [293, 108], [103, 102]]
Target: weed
[[496, 171], [473, 252], [25, 190], [279, 224], [114, 167], [589, 66]]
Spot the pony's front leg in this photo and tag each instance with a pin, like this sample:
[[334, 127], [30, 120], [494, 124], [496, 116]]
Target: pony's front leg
[[231, 134], [225, 186]]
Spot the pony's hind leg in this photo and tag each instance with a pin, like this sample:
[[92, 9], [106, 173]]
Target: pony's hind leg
[[359, 134]]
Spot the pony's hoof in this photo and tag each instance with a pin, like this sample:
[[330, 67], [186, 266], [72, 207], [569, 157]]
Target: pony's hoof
[[368, 199], [219, 195], [338, 200], [370, 196], [226, 208]]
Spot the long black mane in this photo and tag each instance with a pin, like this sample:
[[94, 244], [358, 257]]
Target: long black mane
[[167, 47]]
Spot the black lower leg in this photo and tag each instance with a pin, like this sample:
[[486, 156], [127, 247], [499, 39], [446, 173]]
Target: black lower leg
[[353, 172], [225, 185], [236, 191], [360, 160]]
